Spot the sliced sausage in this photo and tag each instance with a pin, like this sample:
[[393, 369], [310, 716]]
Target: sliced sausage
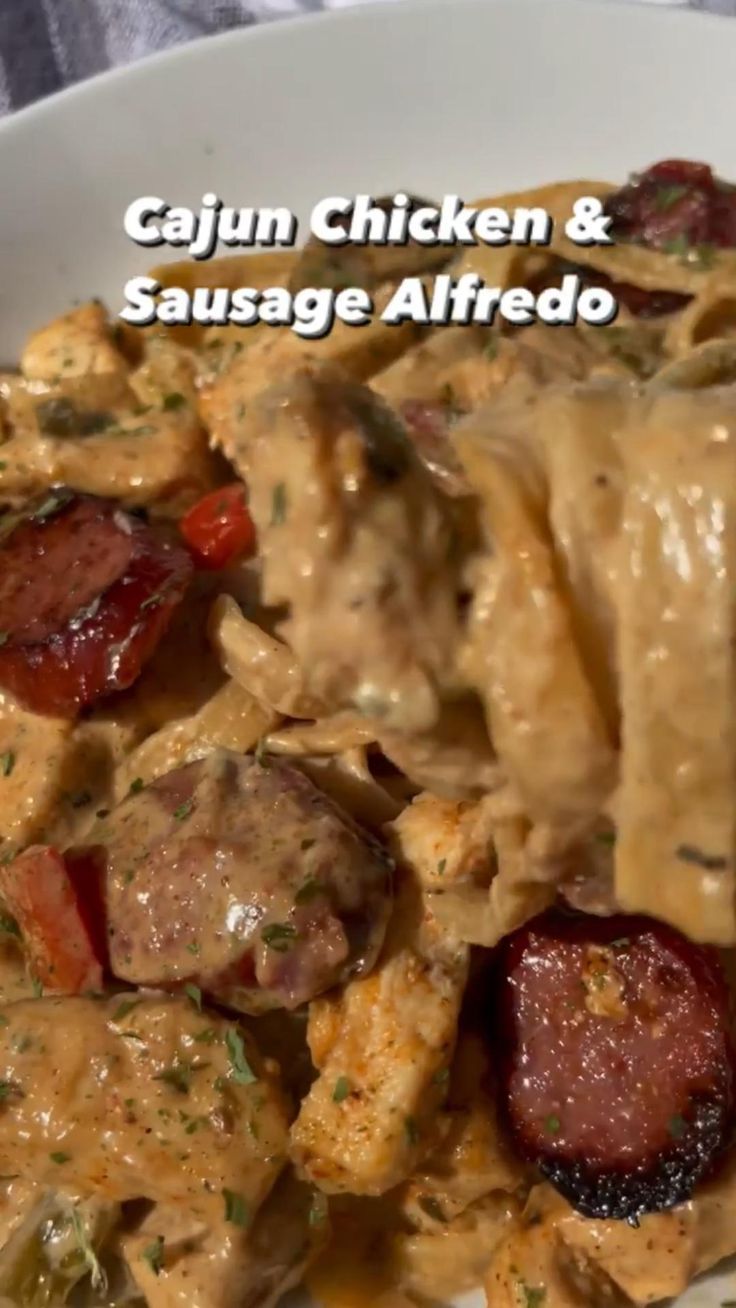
[[86, 592], [676, 206], [243, 877], [618, 1077], [640, 303]]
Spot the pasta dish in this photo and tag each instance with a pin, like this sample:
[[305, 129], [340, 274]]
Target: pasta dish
[[368, 787]]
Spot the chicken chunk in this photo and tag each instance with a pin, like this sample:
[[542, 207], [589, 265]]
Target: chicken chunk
[[85, 419], [447, 842], [138, 1098], [76, 344], [340, 501], [382, 1048], [238, 1264]]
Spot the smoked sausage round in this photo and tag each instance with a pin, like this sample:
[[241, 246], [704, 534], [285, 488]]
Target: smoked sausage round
[[86, 592], [618, 1070]]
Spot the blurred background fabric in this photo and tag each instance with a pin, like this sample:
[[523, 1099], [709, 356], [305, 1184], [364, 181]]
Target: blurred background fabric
[[48, 44]]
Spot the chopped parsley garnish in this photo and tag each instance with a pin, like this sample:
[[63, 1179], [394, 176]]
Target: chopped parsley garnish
[[309, 890], [441, 1077], [8, 1088], [692, 854], [206, 1037], [58, 416], [533, 1295], [412, 1130], [60, 1158], [7, 762], [97, 1275], [242, 1071], [236, 1209], [677, 1127], [184, 810], [174, 400], [195, 994], [178, 1076], [342, 1089], [679, 246], [278, 504], [279, 936], [136, 786], [37, 987], [552, 1124], [606, 837], [193, 947], [441, 866], [318, 1209], [9, 926], [153, 1254], [51, 505], [668, 195]]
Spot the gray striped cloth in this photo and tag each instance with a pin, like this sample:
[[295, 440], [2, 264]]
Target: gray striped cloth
[[47, 44]]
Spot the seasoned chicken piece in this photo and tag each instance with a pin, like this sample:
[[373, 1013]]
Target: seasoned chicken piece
[[529, 1270], [471, 1157], [236, 1264], [611, 1262], [382, 1047], [446, 842], [453, 1256], [340, 502], [138, 1098], [76, 344], [54, 772], [279, 352], [653, 1261], [135, 435]]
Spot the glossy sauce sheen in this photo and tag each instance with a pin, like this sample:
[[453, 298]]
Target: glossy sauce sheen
[[245, 878], [102, 1096], [619, 1068], [86, 592]]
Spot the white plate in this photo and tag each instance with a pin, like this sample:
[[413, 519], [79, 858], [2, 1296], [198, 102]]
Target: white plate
[[448, 95]]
